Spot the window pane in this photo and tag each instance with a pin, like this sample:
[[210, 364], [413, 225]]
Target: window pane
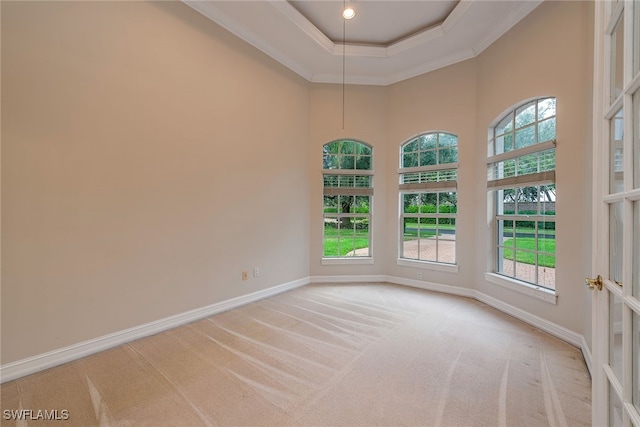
[[617, 59], [330, 161], [615, 335], [347, 162], [428, 158], [615, 409], [446, 240], [527, 164], [635, 345], [526, 114], [410, 147], [505, 126], [636, 136], [428, 141], [364, 150], [410, 160], [616, 153], [448, 155], [636, 38], [547, 130], [615, 241], [546, 108], [347, 147], [525, 137], [635, 289], [448, 140], [363, 162], [505, 233], [330, 204], [548, 199]]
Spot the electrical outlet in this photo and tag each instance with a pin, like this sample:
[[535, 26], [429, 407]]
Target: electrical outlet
[[256, 272], [419, 276], [245, 275]]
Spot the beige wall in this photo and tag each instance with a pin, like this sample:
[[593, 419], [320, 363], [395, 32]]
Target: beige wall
[[443, 100], [365, 119], [530, 61], [148, 158]]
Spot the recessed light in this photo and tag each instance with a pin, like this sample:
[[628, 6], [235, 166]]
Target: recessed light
[[348, 13]]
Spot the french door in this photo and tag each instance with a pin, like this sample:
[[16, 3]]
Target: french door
[[616, 186]]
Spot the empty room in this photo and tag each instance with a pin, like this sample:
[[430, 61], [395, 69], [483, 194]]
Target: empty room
[[327, 213]]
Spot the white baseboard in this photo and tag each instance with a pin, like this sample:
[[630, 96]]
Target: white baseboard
[[356, 278], [20, 368], [430, 286], [30, 365], [533, 320]]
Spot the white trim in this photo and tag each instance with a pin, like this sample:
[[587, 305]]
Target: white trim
[[356, 278], [31, 365], [429, 168], [525, 288], [50, 359], [533, 320], [586, 354], [530, 149], [431, 286], [427, 265], [209, 10], [351, 260]]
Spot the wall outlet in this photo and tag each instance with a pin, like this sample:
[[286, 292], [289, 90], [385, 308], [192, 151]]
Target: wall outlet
[[419, 276], [245, 275], [256, 272]]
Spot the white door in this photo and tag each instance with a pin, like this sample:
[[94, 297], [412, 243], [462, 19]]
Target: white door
[[616, 298]]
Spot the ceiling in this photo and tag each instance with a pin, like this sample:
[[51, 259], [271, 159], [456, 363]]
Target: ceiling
[[388, 40]]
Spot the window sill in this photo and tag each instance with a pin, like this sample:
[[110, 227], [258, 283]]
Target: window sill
[[347, 261], [534, 291], [436, 266]]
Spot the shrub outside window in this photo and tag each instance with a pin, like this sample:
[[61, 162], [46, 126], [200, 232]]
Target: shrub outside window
[[521, 177], [428, 198], [348, 192]]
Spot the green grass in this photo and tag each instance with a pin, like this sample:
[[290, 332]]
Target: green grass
[[341, 244], [545, 245]]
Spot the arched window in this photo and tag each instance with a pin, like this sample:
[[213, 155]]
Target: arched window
[[429, 198], [348, 193], [521, 178]]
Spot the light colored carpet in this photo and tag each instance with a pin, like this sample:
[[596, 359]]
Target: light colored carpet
[[326, 355]]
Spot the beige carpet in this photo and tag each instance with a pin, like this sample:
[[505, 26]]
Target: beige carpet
[[325, 355]]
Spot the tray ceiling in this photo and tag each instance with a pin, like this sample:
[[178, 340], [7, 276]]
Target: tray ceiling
[[388, 40]]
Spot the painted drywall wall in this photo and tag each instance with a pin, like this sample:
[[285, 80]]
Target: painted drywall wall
[[148, 157], [365, 119], [443, 100], [529, 62]]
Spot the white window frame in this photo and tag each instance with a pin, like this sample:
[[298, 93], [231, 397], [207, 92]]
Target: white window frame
[[411, 182], [497, 167], [349, 191]]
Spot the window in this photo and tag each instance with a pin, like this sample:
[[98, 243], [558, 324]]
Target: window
[[521, 178], [429, 198], [348, 192]]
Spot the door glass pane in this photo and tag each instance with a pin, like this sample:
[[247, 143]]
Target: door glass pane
[[636, 38], [615, 241], [615, 409], [616, 153], [635, 274], [635, 345], [636, 136], [615, 335], [617, 59]]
